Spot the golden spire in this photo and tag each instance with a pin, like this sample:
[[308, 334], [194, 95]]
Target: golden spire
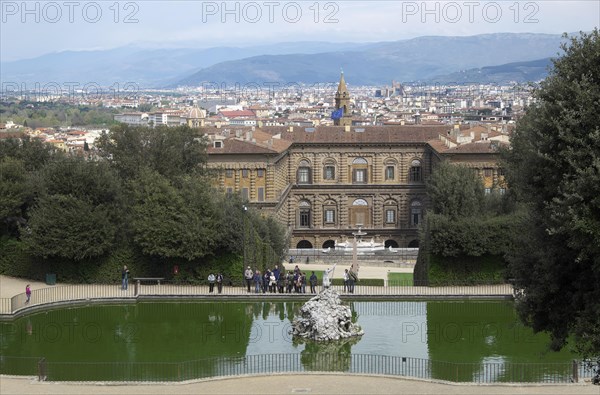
[[342, 85]]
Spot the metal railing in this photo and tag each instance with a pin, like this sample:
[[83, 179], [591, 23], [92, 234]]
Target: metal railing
[[335, 255], [506, 372], [72, 293]]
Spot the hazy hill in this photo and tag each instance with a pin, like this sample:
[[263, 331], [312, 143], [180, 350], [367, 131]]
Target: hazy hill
[[421, 58], [532, 71], [417, 59], [146, 67]]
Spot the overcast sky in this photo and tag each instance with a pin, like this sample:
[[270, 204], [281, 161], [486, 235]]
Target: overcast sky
[[42, 27]]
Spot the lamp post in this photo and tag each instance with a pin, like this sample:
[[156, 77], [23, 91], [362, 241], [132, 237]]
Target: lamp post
[[244, 210], [357, 237]]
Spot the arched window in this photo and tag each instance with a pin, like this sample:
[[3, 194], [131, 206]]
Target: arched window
[[416, 213], [329, 170], [391, 243], [415, 171], [304, 214], [304, 244], [360, 168], [360, 213], [304, 175], [329, 244]]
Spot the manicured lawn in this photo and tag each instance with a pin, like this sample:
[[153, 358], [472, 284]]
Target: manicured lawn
[[400, 279]]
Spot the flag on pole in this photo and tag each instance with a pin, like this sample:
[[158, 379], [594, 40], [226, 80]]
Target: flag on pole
[[337, 114]]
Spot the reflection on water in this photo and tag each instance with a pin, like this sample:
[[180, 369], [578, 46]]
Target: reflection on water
[[470, 332]]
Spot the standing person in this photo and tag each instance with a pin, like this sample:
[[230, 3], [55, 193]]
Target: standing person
[[220, 282], [272, 283], [28, 293], [281, 282], [257, 280], [277, 273], [249, 276], [290, 282], [297, 282], [313, 282], [346, 278], [351, 280], [124, 277], [266, 279], [303, 285], [211, 283]]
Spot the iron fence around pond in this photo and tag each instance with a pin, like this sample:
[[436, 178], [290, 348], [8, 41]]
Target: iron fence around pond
[[82, 292], [264, 364]]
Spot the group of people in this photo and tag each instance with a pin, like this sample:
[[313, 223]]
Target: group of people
[[278, 281], [218, 279], [349, 280]]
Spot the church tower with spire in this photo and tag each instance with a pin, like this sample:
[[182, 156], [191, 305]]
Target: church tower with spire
[[342, 101]]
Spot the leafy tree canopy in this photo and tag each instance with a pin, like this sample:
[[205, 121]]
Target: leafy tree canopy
[[173, 221], [455, 191], [170, 151], [78, 210], [554, 167]]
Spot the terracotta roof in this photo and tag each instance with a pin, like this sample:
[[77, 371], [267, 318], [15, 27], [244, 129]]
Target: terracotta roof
[[369, 135], [237, 113], [482, 147], [236, 146]]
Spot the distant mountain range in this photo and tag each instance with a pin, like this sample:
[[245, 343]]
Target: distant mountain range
[[498, 57], [532, 71]]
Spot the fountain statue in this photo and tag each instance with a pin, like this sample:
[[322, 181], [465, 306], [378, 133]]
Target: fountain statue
[[325, 318]]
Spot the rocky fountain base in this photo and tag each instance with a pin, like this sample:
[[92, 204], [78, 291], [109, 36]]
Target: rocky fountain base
[[325, 318]]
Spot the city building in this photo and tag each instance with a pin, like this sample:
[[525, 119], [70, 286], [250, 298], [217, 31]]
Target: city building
[[324, 182]]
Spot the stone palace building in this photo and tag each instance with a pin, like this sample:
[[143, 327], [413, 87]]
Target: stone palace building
[[325, 182]]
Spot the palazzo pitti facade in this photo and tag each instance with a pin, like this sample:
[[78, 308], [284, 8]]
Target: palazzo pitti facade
[[322, 183]]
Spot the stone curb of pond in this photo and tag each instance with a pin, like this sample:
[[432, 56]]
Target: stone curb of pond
[[238, 297], [34, 380]]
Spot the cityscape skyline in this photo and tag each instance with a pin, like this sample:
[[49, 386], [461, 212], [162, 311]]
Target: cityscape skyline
[[76, 26]]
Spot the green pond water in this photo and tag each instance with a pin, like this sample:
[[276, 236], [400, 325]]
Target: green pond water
[[181, 340]]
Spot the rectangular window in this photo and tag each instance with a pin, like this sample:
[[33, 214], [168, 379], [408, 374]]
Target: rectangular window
[[245, 193], [229, 173], [230, 191], [488, 191], [501, 171], [502, 191], [415, 174], [329, 216], [360, 176], [416, 218], [487, 172], [389, 173], [304, 218], [245, 173], [329, 173], [303, 175], [261, 194], [390, 216], [359, 218], [260, 173]]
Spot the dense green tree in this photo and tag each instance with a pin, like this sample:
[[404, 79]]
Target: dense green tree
[[170, 151], [554, 166], [173, 219], [13, 187], [455, 191], [33, 153], [78, 210]]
